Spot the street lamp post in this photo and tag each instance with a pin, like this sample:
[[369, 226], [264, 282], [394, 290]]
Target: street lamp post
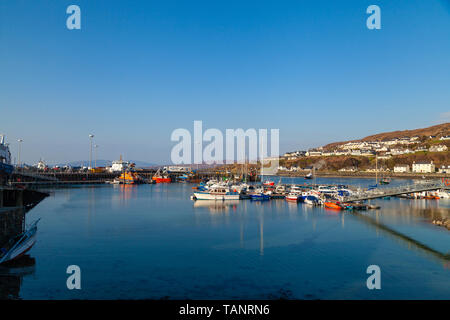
[[18, 152], [90, 154], [95, 155]]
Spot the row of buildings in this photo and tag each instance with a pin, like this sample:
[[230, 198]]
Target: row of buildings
[[383, 152], [385, 149], [421, 167], [416, 167]]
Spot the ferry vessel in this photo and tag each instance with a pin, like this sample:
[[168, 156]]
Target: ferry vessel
[[5, 157]]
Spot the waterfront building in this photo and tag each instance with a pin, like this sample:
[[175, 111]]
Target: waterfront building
[[381, 149], [401, 168], [368, 153], [177, 169], [294, 154], [314, 153], [444, 169], [423, 167], [348, 169], [343, 152]]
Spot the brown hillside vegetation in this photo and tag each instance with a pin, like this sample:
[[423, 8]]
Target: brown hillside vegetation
[[437, 130]]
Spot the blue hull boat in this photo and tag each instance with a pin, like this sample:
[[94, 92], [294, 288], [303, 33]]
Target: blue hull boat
[[259, 197]]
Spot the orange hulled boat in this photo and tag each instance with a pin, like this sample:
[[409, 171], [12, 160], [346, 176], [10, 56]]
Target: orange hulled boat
[[161, 178], [128, 177], [333, 205]]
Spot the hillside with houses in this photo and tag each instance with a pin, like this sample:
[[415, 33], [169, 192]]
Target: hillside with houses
[[424, 150]]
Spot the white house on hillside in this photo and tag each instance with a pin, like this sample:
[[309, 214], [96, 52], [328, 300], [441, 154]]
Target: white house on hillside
[[423, 167], [438, 148]]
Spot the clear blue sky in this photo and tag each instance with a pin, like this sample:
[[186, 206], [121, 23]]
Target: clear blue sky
[[137, 70]]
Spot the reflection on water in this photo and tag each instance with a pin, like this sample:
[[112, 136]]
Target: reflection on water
[[411, 243], [152, 241], [11, 275], [217, 206]]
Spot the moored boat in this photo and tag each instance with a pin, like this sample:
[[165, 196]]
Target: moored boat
[[161, 177], [333, 205], [259, 197], [293, 197], [217, 193], [19, 245], [128, 177], [312, 200]]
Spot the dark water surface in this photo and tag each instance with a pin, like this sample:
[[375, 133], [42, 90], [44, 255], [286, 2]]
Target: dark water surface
[[152, 241]]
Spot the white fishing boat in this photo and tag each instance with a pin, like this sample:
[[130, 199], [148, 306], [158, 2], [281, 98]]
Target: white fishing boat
[[293, 196], [327, 189], [295, 189], [443, 194], [19, 245], [280, 189], [217, 193], [311, 200]]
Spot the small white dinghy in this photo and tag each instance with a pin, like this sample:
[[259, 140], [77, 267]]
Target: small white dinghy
[[19, 245]]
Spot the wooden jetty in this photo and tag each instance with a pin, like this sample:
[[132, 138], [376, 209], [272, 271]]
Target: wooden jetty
[[405, 189]]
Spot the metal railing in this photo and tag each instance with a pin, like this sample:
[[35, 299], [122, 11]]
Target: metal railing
[[406, 189]]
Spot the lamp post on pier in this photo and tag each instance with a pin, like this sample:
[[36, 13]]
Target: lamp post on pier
[[18, 152], [91, 136], [95, 155]]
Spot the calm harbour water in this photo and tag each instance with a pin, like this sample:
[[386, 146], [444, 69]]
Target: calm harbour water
[[152, 242]]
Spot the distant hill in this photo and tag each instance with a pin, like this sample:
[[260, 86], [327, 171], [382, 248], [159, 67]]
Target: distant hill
[[437, 130]]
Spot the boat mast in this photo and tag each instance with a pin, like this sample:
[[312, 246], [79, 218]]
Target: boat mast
[[314, 175], [262, 166], [376, 169]]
